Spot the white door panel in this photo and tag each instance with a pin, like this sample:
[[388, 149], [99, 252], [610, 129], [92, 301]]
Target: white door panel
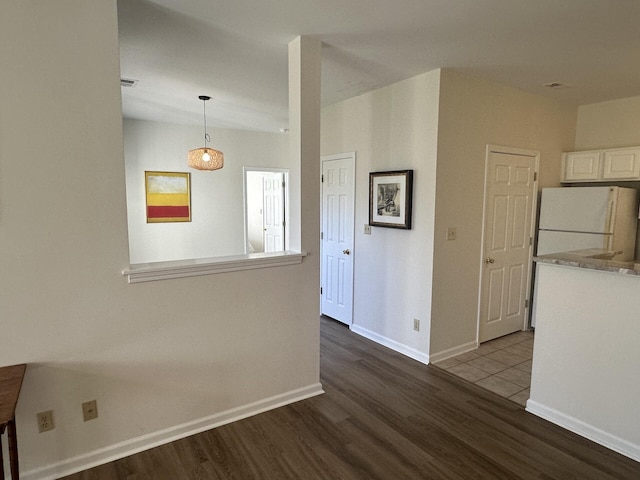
[[515, 302], [576, 209], [338, 188], [555, 242], [508, 227]]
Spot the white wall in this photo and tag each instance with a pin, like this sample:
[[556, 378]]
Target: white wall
[[586, 356], [217, 208], [474, 113], [161, 355], [609, 124], [438, 123], [393, 128]]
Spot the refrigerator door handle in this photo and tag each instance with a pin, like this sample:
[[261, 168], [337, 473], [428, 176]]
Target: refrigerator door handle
[[610, 219]]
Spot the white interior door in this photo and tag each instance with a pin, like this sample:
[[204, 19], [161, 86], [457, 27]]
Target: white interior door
[[273, 216], [338, 186], [510, 197]]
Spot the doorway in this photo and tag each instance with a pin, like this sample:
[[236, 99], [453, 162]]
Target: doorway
[[337, 236], [266, 210], [508, 231]]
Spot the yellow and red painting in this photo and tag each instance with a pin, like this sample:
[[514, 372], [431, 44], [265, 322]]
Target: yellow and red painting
[[168, 197]]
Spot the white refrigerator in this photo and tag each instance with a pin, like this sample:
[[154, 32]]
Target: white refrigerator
[[577, 218]]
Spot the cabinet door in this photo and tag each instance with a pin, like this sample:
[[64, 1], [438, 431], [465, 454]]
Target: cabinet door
[[581, 167], [621, 164]]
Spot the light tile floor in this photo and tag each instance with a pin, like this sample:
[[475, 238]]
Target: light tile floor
[[502, 365]]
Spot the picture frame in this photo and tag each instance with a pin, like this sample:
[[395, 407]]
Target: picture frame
[[390, 199], [168, 196]]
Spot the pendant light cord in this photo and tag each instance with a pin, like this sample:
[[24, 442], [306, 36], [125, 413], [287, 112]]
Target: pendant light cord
[[204, 112]]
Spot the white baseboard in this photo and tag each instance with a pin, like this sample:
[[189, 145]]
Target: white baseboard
[[583, 429], [145, 442], [392, 344], [452, 352]]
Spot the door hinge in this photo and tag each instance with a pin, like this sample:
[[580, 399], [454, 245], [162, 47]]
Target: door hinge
[[530, 241], [321, 178], [321, 235], [535, 176], [283, 184], [526, 303], [320, 290], [284, 223]]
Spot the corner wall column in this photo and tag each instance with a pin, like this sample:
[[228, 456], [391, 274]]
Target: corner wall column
[[304, 143]]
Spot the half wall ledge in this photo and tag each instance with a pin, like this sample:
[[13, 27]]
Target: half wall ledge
[[150, 272]]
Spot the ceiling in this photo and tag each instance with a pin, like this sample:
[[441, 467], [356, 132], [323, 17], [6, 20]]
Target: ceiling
[[236, 51]]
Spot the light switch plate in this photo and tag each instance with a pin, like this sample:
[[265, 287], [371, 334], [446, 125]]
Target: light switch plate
[[451, 233], [367, 229]]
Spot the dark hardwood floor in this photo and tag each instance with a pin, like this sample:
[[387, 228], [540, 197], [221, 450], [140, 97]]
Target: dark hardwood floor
[[383, 416]]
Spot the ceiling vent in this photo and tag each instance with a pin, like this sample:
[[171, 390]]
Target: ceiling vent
[[556, 85], [126, 82]]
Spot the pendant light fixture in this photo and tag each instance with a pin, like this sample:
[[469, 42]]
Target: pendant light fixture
[[205, 158]]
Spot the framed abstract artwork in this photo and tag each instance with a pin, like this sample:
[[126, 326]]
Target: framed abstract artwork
[[168, 196], [390, 196]]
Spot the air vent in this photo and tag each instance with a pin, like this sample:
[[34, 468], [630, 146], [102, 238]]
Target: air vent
[[556, 85], [126, 82]]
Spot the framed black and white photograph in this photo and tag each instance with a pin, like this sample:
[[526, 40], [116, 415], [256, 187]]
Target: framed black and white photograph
[[390, 199]]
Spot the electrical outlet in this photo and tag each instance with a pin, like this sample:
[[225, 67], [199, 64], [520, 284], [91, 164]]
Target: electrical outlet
[[416, 324], [45, 421], [367, 229], [90, 410]]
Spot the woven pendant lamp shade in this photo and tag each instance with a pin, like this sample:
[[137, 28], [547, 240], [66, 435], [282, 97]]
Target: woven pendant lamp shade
[[196, 161], [205, 158]]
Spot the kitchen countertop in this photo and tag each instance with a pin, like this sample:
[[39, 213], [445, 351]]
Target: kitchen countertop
[[592, 259]]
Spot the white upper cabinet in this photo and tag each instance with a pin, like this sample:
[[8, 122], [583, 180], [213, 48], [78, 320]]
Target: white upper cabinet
[[581, 166], [621, 164], [601, 165]]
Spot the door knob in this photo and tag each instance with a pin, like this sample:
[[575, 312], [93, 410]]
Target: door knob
[[489, 260], [346, 252]]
